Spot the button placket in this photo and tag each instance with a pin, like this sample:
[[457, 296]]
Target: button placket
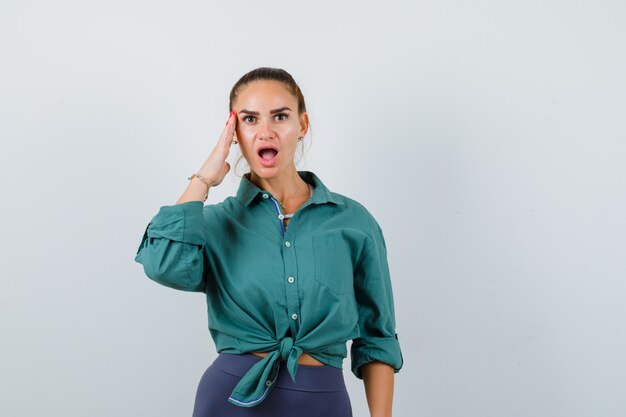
[[290, 264], [279, 214], [291, 290]]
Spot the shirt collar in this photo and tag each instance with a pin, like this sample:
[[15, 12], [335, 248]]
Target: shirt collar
[[248, 191]]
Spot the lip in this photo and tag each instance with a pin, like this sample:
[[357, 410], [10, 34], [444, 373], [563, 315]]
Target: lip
[[265, 162]]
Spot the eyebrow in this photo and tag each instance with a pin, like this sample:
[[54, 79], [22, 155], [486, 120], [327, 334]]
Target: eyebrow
[[256, 113]]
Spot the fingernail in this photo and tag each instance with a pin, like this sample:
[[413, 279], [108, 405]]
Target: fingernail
[[227, 120]]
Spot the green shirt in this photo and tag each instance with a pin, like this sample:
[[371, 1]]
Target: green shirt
[[309, 287]]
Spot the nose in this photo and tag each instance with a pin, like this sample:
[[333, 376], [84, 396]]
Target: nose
[[265, 130]]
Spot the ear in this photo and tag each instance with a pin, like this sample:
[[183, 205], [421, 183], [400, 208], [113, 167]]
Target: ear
[[304, 123]]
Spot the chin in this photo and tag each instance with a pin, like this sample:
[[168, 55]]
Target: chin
[[267, 172]]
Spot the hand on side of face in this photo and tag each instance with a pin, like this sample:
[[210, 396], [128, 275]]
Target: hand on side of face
[[215, 167]]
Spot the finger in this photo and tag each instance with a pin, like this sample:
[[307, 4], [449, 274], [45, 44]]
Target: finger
[[232, 124], [226, 126], [226, 136], [230, 128]]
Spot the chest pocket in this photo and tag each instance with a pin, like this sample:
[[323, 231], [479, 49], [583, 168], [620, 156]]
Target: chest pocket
[[333, 263]]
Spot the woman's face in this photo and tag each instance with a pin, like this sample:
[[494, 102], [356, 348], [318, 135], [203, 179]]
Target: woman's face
[[267, 116]]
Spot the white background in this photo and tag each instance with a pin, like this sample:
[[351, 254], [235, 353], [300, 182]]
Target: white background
[[486, 137]]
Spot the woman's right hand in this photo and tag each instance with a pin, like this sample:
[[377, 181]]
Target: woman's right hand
[[215, 167]]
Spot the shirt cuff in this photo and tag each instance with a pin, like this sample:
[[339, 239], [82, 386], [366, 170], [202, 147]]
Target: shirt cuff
[[183, 222], [383, 349]]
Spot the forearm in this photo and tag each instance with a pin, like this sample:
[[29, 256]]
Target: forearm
[[195, 191], [378, 378]]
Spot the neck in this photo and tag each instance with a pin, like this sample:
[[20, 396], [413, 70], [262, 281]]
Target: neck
[[283, 186]]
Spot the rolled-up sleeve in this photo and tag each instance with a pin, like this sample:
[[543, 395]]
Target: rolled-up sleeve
[[171, 250], [378, 340]]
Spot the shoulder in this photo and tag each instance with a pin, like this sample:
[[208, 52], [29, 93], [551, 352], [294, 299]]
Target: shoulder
[[360, 213], [213, 211]]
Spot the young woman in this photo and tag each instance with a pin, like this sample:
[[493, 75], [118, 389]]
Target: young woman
[[290, 269]]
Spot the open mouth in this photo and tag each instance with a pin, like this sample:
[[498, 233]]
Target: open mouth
[[267, 155]]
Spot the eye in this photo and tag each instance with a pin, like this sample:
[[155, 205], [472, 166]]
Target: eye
[[282, 115], [245, 119]]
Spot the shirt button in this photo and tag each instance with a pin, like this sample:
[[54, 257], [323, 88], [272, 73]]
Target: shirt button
[[294, 316], [281, 216], [265, 196], [291, 280], [287, 244], [268, 382]]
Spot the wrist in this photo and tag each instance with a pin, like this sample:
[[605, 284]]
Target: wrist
[[201, 178], [196, 180], [199, 184]]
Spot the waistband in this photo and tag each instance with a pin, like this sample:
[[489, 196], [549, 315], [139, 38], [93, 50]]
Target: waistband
[[308, 377]]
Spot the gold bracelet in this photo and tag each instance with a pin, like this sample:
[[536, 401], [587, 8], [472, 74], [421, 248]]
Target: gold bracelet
[[204, 180]]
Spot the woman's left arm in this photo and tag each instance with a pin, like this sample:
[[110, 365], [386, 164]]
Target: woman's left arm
[[375, 353], [378, 380]]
